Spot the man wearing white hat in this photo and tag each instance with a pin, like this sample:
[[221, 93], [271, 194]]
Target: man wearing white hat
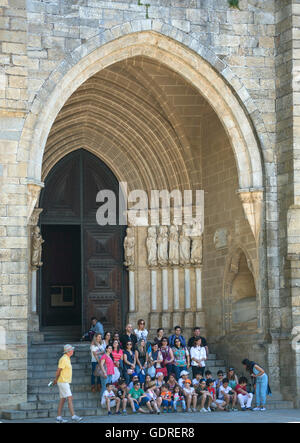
[[63, 379]]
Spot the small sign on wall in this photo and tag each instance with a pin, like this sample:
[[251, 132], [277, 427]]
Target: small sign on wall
[[62, 296]]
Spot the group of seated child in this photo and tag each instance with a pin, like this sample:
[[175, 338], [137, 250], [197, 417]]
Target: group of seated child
[[161, 395]]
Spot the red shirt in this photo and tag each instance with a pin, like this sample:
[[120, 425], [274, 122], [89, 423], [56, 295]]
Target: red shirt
[[239, 389], [110, 367], [212, 391]]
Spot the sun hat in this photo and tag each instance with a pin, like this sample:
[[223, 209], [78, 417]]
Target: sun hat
[[159, 374], [184, 373], [68, 348]]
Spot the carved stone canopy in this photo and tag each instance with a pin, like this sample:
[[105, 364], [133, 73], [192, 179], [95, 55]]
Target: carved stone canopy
[[252, 201], [34, 190]]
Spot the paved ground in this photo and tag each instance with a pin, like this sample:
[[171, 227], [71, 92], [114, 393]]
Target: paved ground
[[272, 416]]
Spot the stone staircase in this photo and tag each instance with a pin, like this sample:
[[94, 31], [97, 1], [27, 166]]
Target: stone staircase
[[62, 334], [43, 401]]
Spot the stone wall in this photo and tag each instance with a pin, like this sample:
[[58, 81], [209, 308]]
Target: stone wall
[[42, 41]]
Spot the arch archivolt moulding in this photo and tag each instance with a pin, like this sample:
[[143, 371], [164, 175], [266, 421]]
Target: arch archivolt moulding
[[180, 52]]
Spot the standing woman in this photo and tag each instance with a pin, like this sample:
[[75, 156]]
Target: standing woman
[[159, 336], [168, 357], [129, 362], [141, 331], [141, 358], [181, 358], [97, 350], [154, 360], [117, 356], [107, 338], [261, 383], [108, 369]]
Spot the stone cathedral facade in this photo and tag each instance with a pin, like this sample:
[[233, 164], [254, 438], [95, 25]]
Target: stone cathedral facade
[[178, 95]]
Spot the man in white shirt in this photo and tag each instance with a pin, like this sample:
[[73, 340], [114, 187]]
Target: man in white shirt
[[198, 357]]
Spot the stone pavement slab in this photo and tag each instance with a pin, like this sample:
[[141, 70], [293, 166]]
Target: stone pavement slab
[[272, 416]]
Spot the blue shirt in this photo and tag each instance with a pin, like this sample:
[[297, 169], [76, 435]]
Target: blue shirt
[[98, 328]]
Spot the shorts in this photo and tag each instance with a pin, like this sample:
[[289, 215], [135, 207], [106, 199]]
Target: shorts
[[220, 401], [112, 403], [64, 390], [144, 401]]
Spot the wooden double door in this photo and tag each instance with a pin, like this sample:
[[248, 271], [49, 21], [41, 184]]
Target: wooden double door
[[83, 273]]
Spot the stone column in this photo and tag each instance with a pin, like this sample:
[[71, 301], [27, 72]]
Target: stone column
[[154, 314], [131, 290], [188, 314], [199, 314], [166, 315], [177, 312], [33, 315]]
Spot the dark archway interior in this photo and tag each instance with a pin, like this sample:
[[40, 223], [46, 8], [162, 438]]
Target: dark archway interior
[[83, 273]]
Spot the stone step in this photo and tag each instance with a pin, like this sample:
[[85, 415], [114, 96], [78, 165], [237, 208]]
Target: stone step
[[53, 366], [53, 394], [53, 404], [44, 389], [51, 412]]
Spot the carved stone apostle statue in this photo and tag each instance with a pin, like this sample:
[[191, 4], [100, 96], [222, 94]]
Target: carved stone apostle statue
[[184, 245], [129, 245], [36, 248], [151, 244], [196, 238], [173, 246], [162, 249]]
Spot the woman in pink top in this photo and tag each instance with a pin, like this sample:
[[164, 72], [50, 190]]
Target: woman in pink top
[[117, 355], [108, 368]]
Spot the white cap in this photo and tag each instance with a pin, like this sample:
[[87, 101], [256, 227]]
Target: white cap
[[68, 348]]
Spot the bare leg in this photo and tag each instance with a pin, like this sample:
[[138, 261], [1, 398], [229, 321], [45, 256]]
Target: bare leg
[[118, 402], [188, 401], [60, 407], [70, 405], [131, 402], [234, 400], [148, 404], [124, 404], [195, 398], [203, 399], [107, 401]]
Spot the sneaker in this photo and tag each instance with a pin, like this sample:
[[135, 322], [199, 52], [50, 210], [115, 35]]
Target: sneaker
[[189, 410], [249, 409], [256, 409], [76, 419], [61, 420], [235, 410], [158, 412], [243, 409], [169, 410], [262, 409], [109, 413], [208, 409], [194, 410], [118, 413], [124, 412], [164, 411], [203, 410]]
